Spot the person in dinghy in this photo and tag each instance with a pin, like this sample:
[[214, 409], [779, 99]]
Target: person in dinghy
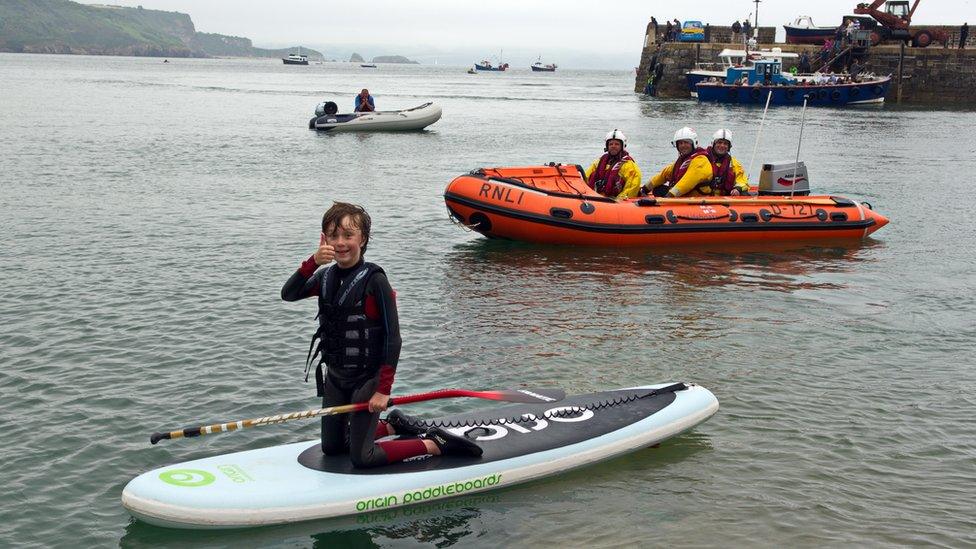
[[697, 171], [359, 346], [615, 174]]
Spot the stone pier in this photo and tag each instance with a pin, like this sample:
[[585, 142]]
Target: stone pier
[[929, 76]]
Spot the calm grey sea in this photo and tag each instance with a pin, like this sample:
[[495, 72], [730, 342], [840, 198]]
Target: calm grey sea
[[150, 212]]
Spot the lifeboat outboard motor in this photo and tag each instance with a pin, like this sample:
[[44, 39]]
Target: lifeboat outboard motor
[[784, 179]]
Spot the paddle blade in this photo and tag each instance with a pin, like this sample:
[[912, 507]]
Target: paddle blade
[[524, 395]]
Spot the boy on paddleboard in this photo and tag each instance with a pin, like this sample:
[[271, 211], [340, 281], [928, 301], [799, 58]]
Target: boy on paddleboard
[[359, 345]]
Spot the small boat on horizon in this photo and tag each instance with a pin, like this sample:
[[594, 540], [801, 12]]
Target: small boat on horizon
[[538, 66], [295, 59], [368, 65], [487, 66]]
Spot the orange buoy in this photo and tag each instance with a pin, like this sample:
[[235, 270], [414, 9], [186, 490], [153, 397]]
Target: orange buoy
[[553, 205]]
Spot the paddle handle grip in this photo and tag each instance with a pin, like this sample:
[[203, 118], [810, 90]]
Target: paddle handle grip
[[183, 433]]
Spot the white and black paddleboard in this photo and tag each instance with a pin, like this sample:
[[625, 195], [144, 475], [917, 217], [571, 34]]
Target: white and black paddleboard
[[521, 442]]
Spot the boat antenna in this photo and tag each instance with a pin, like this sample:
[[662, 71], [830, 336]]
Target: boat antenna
[[759, 134], [799, 141]]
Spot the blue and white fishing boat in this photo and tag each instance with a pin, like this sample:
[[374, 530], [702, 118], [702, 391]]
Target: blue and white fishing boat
[[730, 58], [487, 66], [753, 85]]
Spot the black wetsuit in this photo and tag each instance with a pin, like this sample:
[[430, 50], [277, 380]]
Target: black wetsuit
[[354, 432]]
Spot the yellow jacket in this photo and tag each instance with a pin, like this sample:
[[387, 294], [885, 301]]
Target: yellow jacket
[[698, 178], [629, 173]]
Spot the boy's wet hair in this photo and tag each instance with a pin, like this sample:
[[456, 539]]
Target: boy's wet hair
[[356, 214]]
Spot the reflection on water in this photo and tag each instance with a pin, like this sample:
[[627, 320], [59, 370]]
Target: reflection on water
[[442, 522], [782, 267]]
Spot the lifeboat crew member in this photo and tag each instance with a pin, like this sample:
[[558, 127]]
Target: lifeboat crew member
[[692, 174], [615, 174], [359, 343], [728, 177], [688, 170]]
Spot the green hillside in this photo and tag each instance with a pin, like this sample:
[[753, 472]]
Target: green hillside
[[61, 26]]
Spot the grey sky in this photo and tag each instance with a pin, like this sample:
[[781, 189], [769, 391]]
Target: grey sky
[[605, 34]]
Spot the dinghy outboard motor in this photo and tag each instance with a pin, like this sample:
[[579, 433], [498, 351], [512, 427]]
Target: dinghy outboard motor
[[784, 179], [326, 107]]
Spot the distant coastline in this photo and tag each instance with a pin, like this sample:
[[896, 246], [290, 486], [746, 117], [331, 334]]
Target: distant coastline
[[65, 27]]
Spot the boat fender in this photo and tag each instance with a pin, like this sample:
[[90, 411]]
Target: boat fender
[[750, 218], [671, 217], [587, 208], [838, 216], [654, 219], [765, 214], [878, 90], [733, 216], [561, 213], [480, 222], [855, 91], [790, 94], [822, 94], [755, 93], [733, 93], [835, 95], [821, 214]]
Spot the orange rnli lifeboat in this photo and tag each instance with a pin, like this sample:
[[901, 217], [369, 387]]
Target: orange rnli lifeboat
[[553, 205]]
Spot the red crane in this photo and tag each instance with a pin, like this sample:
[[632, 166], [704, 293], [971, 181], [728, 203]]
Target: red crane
[[895, 20]]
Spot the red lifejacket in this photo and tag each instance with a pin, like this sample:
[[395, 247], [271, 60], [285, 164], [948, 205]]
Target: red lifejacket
[[681, 166], [605, 179], [723, 176]]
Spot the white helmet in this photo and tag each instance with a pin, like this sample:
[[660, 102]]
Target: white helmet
[[615, 134], [685, 134], [723, 134]]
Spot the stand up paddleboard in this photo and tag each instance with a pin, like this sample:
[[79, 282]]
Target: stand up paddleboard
[[522, 442]]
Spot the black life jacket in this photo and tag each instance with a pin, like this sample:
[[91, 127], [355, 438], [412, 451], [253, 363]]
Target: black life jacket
[[349, 343]]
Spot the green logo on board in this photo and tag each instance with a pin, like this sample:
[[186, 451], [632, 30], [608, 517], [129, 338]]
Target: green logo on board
[[186, 477]]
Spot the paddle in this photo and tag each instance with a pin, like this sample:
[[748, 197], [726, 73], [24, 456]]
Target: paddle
[[508, 395]]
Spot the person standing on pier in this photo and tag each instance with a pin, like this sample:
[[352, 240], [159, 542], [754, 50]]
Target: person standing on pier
[[963, 35]]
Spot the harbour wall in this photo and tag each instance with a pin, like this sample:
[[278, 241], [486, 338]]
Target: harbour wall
[[929, 76]]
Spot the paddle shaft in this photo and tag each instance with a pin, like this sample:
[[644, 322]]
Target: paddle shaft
[[537, 395]]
